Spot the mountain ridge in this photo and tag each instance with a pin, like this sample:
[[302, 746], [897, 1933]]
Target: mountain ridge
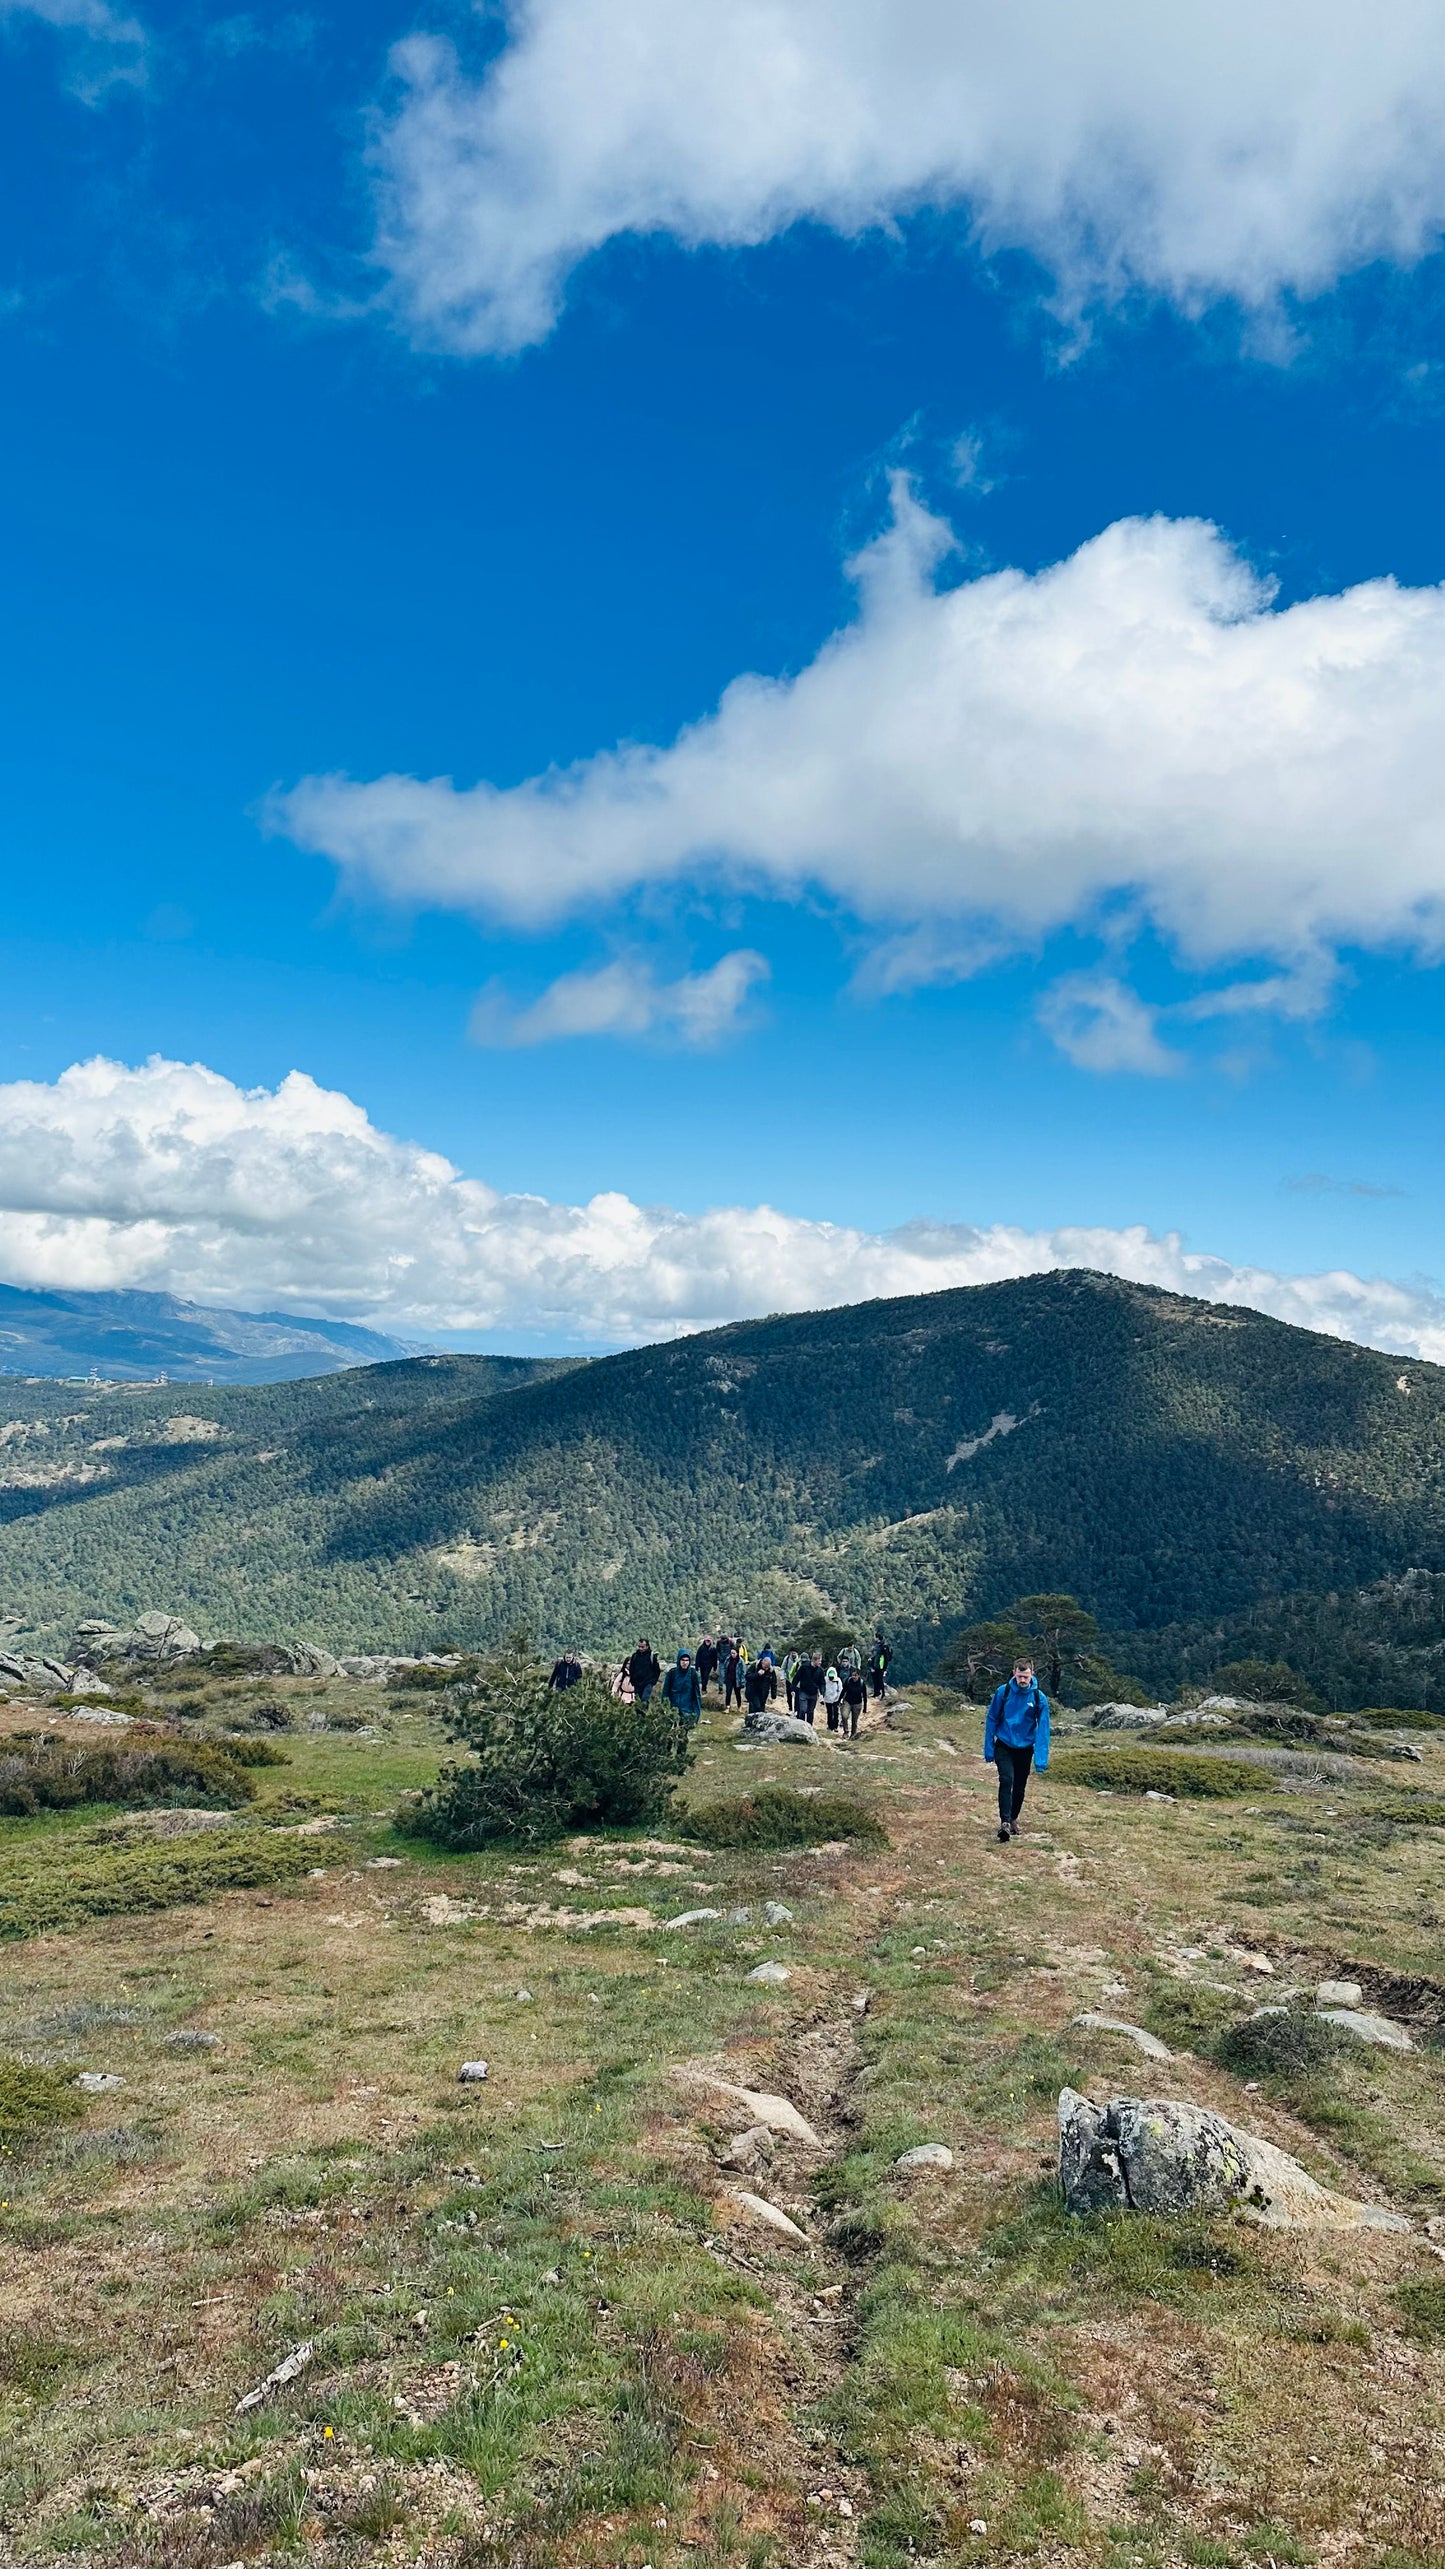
[[131, 1336], [1167, 1460]]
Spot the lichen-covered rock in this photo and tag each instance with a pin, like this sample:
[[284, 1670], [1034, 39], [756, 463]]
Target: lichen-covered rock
[[928, 2154], [779, 1730], [1158, 2155]]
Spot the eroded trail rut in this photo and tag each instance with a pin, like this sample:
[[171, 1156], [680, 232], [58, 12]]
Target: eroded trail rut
[[816, 2500]]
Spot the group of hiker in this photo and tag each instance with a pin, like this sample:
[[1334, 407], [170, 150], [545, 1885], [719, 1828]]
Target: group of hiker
[[1015, 1735], [751, 1679]]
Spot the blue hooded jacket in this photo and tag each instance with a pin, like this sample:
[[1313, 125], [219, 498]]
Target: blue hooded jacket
[[682, 1688], [1019, 1716]]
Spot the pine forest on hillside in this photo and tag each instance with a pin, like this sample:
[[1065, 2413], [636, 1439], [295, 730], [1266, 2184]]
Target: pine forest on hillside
[[1176, 1465]]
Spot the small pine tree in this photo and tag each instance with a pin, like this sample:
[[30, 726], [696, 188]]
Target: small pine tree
[[545, 1760]]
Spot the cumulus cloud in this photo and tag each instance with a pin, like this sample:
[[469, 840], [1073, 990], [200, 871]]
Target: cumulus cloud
[[169, 1177], [106, 47], [625, 999], [1196, 153], [1100, 1024], [1136, 729]]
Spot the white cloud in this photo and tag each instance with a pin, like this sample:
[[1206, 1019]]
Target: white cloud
[[109, 48], [169, 1177], [625, 998], [1198, 153], [1137, 726], [1100, 1024]]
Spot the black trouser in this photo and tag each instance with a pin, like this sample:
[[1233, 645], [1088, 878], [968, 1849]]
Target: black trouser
[[1013, 1776]]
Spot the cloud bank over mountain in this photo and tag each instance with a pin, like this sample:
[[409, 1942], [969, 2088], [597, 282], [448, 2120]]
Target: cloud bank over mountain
[[168, 1176], [1194, 154], [1136, 734]]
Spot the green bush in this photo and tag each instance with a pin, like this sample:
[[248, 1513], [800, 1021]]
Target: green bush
[[432, 1681], [135, 1773], [254, 1752], [1283, 2045], [1156, 1770], [546, 1762], [1386, 1717], [1422, 2308], [32, 2099], [1265, 1681], [1189, 2014], [777, 1815], [62, 1884], [1409, 1811]]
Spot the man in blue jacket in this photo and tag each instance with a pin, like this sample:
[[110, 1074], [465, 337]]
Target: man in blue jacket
[[1016, 1738]]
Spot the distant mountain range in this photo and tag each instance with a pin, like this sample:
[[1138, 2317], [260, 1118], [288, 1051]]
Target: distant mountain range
[[1171, 1462], [135, 1337]]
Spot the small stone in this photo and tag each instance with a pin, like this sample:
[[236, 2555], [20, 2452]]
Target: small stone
[[1161, 1797], [96, 2081], [1135, 2034], [928, 2154], [845, 2506], [690, 1918], [776, 1913], [917, 1953], [751, 2146], [977, 2524], [860, 2002], [187, 2038], [472, 2073], [771, 2216], [384, 1863], [1339, 1993], [523, 1997], [738, 1918], [772, 1975]]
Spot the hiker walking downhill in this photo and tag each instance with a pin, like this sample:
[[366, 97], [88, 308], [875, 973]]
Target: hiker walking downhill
[[733, 1677], [1016, 1738], [761, 1683], [682, 1689], [855, 1696], [880, 1660], [644, 1668], [808, 1686], [565, 1672], [706, 1661], [832, 1695]]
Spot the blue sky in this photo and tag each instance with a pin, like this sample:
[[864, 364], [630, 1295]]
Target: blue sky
[[277, 505]]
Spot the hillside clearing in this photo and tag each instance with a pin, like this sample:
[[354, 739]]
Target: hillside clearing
[[545, 2326]]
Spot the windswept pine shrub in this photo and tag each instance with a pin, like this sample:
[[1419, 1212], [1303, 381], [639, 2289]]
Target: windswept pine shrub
[[54, 1885], [778, 1815], [545, 1762], [252, 1752], [1156, 1770], [31, 2099], [1280, 2042], [136, 1773]]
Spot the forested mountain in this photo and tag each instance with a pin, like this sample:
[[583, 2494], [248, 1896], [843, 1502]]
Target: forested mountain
[[134, 1337], [1171, 1462]]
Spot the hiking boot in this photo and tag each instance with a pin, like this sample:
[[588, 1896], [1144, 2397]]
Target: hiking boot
[[1004, 1835]]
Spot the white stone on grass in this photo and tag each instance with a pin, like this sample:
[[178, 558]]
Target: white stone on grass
[[772, 1975], [929, 2154], [472, 2073], [770, 2215], [1142, 2041], [1339, 1993], [1368, 2028]]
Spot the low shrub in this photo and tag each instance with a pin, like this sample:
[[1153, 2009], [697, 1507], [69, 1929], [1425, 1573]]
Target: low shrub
[[32, 2099], [136, 1773], [433, 1681], [65, 1883], [1284, 2044], [1385, 1717], [778, 1815], [1188, 2014], [1156, 1770], [1265, 1681], [1409, 1811], [254, 1752], [1422, 2308], [545, 1762]]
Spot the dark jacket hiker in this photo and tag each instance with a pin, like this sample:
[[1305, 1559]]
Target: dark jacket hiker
[[682, 1688], [644, 1668], [760, 1684], [566, 1671]]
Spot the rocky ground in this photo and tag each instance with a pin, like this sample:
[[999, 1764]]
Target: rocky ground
[[658, 2289]]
